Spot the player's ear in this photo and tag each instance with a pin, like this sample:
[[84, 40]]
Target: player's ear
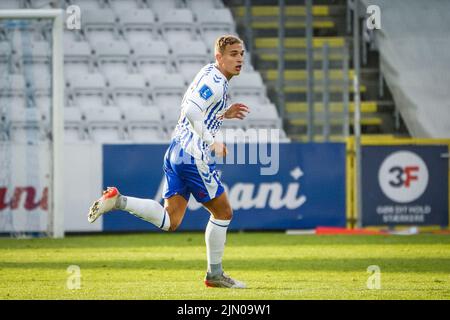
[[218, 56]]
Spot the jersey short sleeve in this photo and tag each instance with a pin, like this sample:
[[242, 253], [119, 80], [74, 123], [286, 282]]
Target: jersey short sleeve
[[204, 93]]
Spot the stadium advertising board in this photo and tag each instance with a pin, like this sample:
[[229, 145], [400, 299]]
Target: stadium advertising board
[[287, 187], [404, 185]]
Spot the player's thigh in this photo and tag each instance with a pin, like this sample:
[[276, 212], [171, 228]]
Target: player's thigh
[[176, 207], [220, 207]]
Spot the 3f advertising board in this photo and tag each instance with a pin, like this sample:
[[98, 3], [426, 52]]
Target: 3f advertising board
[[405, 185]]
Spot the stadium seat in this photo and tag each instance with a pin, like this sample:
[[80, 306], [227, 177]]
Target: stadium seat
[[200, 5], [105, 124], [35, 57], [25, 125], [12, 4], [248, 88], [138, 25], [177, 24], [113, 57], [5, 58], [77, 58], [144, 124], [75, 128], [190, 56], [88, 5], [41, 95], [213, 23], [120, 6], [87, 90], [13, 86], [264, 116], [45, 4], [100, 25], [130, 89], [160, 7], [151, 57], [167, 90]]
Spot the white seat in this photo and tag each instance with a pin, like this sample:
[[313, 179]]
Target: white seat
[[105, 124], [12, 4], [151, 57], [144, 124], [177, 24], [167, 90], [87, 5], [214, 23], [198, 6], [5, 58], [248, 88], [45, 4], [74, 126], [100, 25], [139, 25], [190, 56], [119, 6], [12, 85], [160, 7], [88, 90], [25, 125], [113, 57], [130, 89], [264, 116], [5, 51], [13, 92], [36, 54], [77, 57], [41, 89]]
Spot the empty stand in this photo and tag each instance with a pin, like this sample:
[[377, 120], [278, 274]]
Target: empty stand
[[138, 25], [113, 57], [128, 90], [126, 70], [190, 56], [151, 57]]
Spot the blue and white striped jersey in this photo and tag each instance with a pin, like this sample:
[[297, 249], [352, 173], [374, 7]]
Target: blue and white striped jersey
[[208, 92]]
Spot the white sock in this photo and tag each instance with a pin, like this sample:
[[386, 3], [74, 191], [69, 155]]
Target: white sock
[[215, 237], [148, 210]]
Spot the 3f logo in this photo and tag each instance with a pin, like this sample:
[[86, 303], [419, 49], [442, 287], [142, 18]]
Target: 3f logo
[[403, 176]]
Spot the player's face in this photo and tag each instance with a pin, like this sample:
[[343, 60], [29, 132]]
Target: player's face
[[231, 60]]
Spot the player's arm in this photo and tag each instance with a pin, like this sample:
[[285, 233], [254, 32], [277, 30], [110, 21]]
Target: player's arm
[[195, 116]]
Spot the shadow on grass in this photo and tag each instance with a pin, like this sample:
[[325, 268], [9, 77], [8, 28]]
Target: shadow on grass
[[388, 265], [187, 239]]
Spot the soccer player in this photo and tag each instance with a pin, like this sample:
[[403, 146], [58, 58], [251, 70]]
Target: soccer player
[[188, 164]]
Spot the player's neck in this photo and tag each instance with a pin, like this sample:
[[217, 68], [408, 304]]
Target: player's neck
[[222, 71]]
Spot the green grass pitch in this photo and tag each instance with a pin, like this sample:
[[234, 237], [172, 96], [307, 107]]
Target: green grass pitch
[[274, 266]]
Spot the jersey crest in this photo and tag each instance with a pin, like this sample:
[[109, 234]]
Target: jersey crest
[[205, 92]]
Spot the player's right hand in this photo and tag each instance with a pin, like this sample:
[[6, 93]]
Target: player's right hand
[[219, 149]]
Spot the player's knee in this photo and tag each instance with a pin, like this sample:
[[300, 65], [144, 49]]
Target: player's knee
[[229, 213], [225, 214]]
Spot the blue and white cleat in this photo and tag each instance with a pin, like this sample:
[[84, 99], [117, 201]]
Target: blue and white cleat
[[103, 205], [223, 281]]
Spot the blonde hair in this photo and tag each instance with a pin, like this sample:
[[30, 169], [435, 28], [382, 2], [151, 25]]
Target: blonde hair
[[224, 41]]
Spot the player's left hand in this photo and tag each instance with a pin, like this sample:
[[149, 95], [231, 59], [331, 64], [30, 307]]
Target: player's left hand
[[237, 111]]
